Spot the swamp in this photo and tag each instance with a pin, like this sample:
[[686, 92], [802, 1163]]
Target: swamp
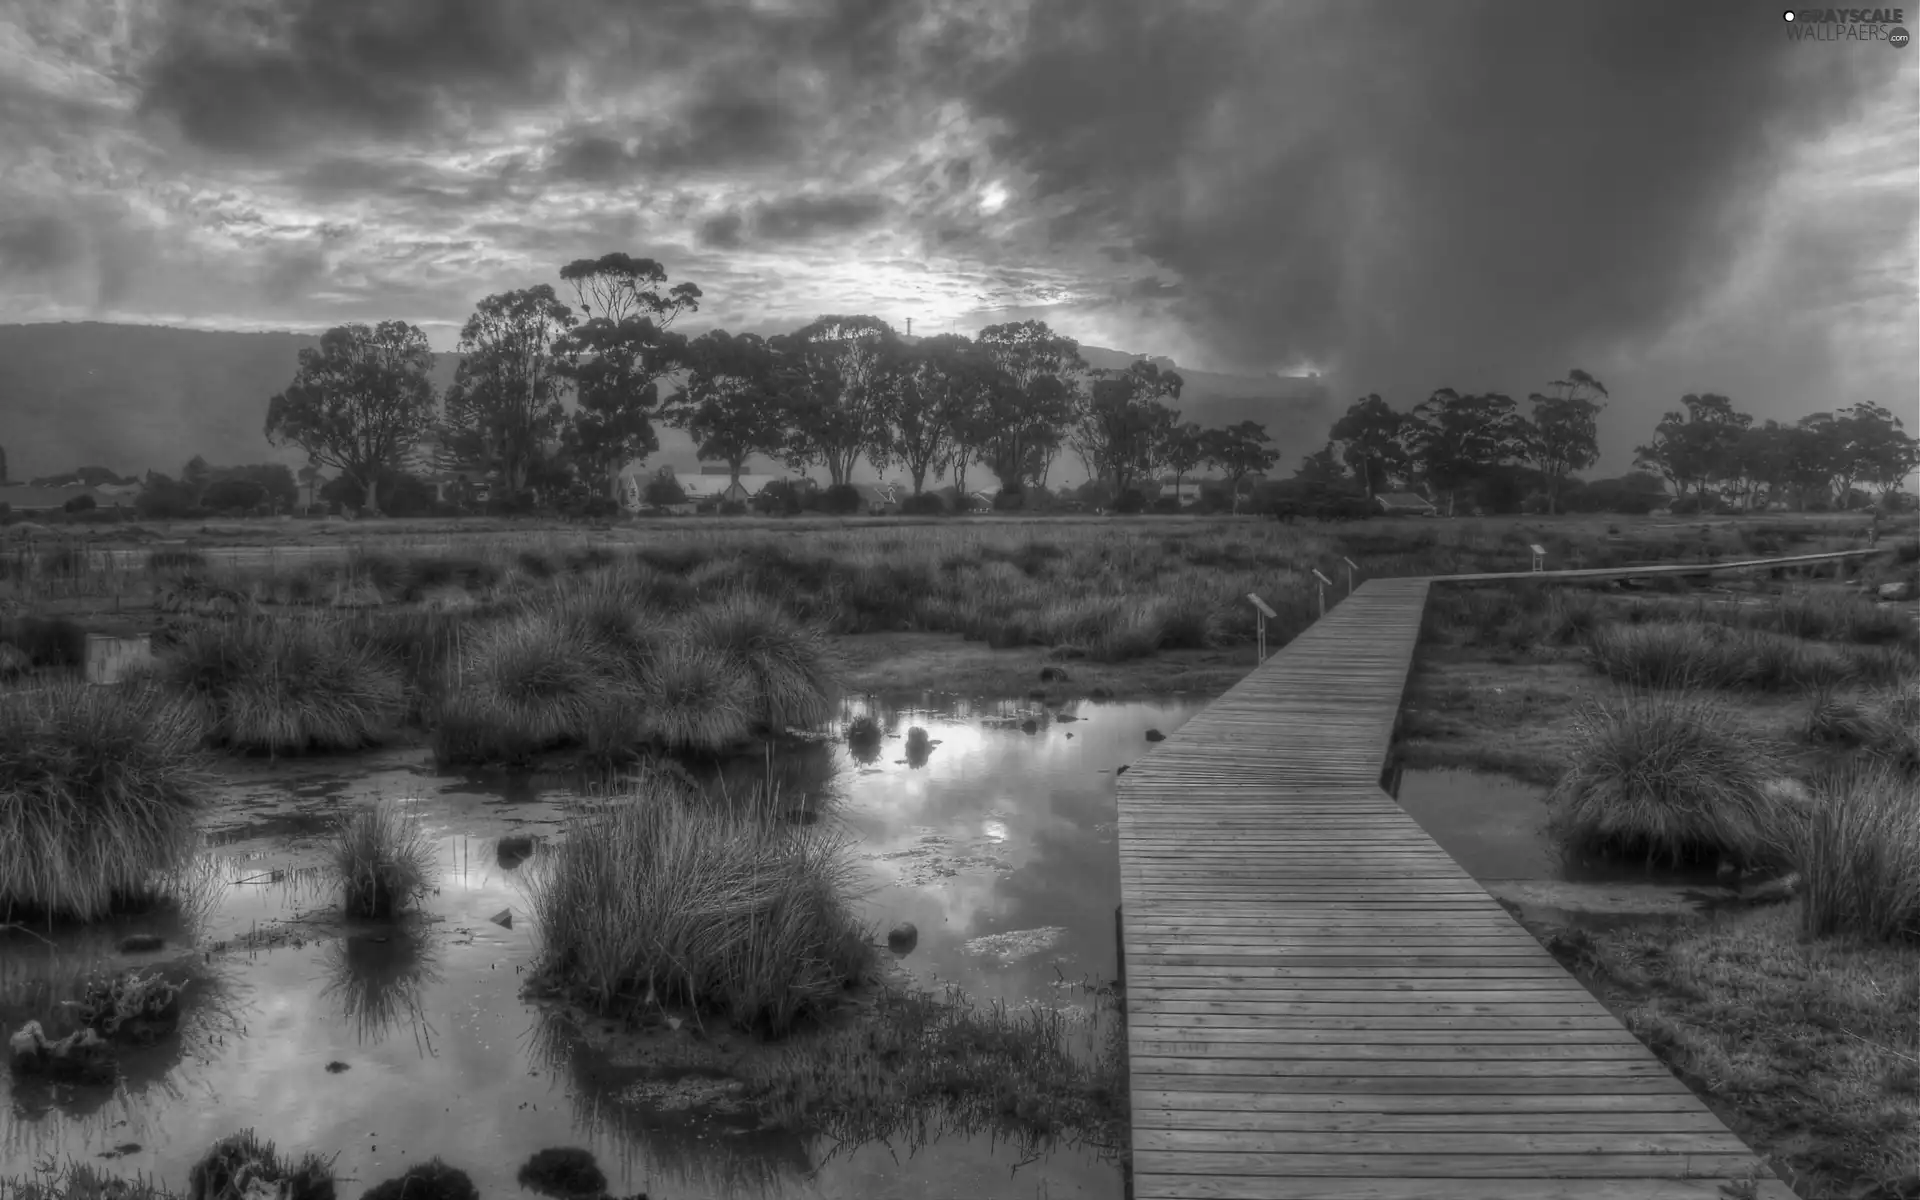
[[755, 863]]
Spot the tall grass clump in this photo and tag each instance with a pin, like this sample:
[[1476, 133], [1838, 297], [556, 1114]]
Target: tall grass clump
[[520, 685], [692, 698], [382, 859], [286, 686], [663, 896], [99, 789], [1860, 856], [1668, 775], [787, 662]]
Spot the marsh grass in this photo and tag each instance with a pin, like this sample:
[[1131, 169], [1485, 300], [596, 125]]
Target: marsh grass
[[99, 791], [382, 859], [1860, 855], [923, 1065], [1692, 653], [519, 686], [694, 698], [787, 662], [1659, 775], [658, 896], [246, 1165], [74, 1180], [1812, 1042], [286, 686]]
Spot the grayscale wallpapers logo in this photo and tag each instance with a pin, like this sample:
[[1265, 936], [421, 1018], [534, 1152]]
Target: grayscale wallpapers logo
[[1848, 25]]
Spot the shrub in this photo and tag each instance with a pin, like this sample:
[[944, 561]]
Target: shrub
[[79, 504], [840, 499], [382, 859], [1009, 500], [1130, 502], [923, 504], [1166, 504], [1860, 856], [662, 896], [732, 508], [98, 796], [286, 686], [1669, 776]]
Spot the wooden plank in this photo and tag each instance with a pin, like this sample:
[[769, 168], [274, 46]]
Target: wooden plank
[[1322, 1003]]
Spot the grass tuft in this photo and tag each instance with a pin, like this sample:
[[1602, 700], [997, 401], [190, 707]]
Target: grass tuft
[[660, 896], [286, 686], [382, 859], [1860, 858], [99, 790], [1664, 775]]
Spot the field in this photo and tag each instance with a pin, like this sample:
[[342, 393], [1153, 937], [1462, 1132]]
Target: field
[[672, 645]]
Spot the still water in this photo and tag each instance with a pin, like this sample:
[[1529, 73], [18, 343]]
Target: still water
[[385, 1045]]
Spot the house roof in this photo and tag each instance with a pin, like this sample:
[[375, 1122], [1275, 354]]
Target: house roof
[[881, 493], [1405, 500]]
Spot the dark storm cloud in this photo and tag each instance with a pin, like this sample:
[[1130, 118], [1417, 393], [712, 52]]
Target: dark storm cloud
[[797, 218], [38, 244], [258, 78], [1417, 189], [715, 131], [722, 232]]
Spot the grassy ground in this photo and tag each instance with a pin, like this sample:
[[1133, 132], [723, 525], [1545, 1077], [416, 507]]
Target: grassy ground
[[1809, 1046]]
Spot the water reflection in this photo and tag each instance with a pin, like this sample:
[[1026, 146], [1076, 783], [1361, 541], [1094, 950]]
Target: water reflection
[[377, 978], [990, 833]]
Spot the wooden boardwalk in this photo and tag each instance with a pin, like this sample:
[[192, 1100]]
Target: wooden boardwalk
[[1322, 1004]]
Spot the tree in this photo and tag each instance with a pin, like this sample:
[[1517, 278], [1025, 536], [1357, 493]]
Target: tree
[[944, 381], [1370, 443], [198, 472], [358, 402], [836, 374], [503, 410], [1564, 435], [1459, 440], [1027, 414], [1182, 450], [1693, 447], [1122, 425], [1239, 451], [729, 404], [233, 494], [1877, 447], [617, 357], [664, 489]]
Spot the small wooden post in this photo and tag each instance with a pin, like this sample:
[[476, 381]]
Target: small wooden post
[[1260, 614], [1324, 584], [1539, 556], [1351, 568]]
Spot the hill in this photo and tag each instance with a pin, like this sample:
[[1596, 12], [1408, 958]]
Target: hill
[[138, 397]]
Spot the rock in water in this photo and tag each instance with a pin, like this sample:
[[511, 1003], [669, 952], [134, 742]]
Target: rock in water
[[503, 918], [902, 938], [1154, 735]]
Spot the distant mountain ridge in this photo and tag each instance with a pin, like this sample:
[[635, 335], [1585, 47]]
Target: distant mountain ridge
[[134, 398]]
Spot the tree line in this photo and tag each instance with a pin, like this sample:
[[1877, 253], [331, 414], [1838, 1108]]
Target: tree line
[[1483, 448], [1004, 403]]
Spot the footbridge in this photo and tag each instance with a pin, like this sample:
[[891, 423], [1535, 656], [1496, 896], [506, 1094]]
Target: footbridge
[[1322, 1005]]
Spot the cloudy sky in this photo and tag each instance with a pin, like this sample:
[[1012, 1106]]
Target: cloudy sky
[[1405, 194]]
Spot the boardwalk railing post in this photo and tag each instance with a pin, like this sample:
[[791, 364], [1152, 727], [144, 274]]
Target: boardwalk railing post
[[1260, 614], [1351, 568], [1324, 583]]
